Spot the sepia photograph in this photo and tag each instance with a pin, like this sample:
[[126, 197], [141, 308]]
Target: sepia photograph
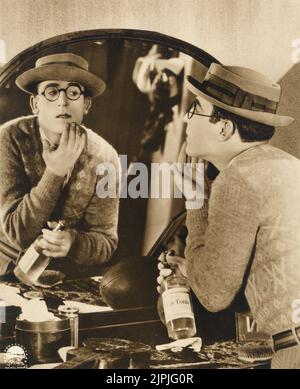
[[149, 187]]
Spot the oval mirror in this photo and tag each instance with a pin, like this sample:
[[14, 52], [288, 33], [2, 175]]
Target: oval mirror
[[140, 113]]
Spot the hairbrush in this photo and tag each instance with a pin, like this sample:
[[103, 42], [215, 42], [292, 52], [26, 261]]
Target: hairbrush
[[255, 353]]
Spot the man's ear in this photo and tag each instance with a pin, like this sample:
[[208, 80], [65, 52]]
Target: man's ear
[[87, 104], [227, 129], [34, 105]]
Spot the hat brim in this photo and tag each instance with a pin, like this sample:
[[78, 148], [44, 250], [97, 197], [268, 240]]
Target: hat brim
[[27, 81], [260, 117]]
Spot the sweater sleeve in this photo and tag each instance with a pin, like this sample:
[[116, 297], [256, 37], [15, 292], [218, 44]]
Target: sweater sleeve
[[219, 250], [97, 240], [24, 210]]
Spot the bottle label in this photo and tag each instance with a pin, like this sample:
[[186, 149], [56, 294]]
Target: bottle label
[[177, 305], [28, 259]]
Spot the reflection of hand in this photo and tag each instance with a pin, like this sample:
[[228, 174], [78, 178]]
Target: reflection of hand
[[169, 264], [71, 144], [189, 176], [56, 244]]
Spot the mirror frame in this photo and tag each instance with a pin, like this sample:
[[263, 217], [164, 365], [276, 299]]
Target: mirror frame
[[18, 62]]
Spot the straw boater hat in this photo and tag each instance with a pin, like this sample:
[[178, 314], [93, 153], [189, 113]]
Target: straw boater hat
[[61, 67], [242, 91]]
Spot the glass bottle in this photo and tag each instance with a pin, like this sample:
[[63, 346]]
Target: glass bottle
[[178, 310], [32, 264]]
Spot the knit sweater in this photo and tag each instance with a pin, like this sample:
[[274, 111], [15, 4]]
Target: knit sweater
[[247, 238], [31, 195]]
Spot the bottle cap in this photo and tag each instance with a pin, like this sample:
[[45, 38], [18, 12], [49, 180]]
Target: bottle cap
[[68, 311], [60, 226]]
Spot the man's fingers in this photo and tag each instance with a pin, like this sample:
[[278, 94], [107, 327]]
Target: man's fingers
[[52, 254], [162, 257], [160, 266], [51, 247], [53, 237], [72, 136], [51, 250], [174, 259], [159, 279], [81, 144], [46, 145], [64, 136], [179, 264], [77, 138], [165, 272], [51, 224]]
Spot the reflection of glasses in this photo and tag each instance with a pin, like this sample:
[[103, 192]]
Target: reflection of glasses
[[73, 92], [193, 111]]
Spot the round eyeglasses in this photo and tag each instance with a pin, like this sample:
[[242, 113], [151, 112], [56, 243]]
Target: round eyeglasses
[[193, 111], [73, 92]]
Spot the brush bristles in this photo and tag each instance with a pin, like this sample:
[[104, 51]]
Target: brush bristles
[[255, 353]]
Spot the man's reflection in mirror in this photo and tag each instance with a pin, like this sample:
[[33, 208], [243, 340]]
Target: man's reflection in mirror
[[48, 168]]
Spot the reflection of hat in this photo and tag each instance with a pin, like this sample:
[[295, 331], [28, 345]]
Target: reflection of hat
[[61, 67], [242, 91]]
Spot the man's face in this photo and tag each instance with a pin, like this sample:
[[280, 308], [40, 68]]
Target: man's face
[[201, 132], [54, 115]]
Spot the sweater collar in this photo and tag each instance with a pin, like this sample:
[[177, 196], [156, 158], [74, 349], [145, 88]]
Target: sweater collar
[[28, 124], [242, 153]]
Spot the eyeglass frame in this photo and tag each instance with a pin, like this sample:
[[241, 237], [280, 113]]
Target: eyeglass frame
[[215, 116], [62, 89], [190, 114]]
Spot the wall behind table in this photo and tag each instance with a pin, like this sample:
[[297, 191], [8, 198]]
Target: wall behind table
[[248, 32], [288, 138]]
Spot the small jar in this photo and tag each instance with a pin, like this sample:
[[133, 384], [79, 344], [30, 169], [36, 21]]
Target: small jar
[[72, 314]]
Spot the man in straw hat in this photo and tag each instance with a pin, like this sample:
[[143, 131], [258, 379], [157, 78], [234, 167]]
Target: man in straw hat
[[244, 241], [48, 169]]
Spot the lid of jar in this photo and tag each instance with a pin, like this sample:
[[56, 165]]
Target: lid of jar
[[68, 310], [32, 294]]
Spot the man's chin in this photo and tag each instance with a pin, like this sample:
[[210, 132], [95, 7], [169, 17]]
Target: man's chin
[[59, 127], [190, 152], [57, 131]]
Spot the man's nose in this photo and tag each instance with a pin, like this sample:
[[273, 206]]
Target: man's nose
[[62, 98]]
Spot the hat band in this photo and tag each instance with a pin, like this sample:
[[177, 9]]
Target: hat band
[[62, 63], [232, 95]]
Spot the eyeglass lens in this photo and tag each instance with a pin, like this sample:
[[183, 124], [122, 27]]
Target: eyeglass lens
[[73, 92]]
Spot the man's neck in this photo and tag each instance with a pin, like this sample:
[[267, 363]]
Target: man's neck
[[221, 162], [51, 136]]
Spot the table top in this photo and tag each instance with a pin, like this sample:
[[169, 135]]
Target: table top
[[140, 324], [219, 355]]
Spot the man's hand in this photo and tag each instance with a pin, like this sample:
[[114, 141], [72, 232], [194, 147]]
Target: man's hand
[[56, 244], [169, 263], [71, 145], [190, 176]]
